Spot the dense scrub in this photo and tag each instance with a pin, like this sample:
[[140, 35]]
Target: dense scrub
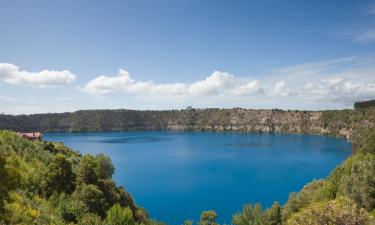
[[48, 183]]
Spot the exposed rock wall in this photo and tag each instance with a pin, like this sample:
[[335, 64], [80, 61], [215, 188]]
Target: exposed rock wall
[[340, 123]]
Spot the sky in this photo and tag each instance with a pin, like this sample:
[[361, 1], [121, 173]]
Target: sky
[[59, 56]]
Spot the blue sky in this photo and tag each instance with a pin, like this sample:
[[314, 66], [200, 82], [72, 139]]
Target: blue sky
[[163, 54]]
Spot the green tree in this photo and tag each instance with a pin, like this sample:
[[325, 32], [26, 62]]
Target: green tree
[[86, 171], [59, 176], [274, 214], [93, 198], [71, 209], [368, 141], [250, 215], [104, 167], [118, 215], [109, 189], [357, 180], [9, 180], [208, 218]]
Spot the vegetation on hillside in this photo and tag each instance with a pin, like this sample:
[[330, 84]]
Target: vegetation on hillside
[[343, 123], [48, 183]]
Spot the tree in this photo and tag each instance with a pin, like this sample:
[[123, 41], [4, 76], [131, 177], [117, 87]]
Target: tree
[[335, 212], [274, 214], [367, 144], [59, 176], [71, 209], [9, 180], [118, 215], [86, 171], [357, 180], [208, 218], [109, 189], [93, 198], [250, 215], [104, 167]]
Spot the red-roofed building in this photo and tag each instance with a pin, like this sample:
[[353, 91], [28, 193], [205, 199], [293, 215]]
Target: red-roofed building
[[34, 136]]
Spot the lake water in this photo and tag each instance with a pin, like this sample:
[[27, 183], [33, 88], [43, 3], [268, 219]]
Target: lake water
[[176, 175]]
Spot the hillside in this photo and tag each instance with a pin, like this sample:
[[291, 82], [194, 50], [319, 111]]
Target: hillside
[[340, 123], [48, 183]]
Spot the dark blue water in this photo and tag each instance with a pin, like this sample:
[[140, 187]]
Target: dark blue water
[[176, 175]]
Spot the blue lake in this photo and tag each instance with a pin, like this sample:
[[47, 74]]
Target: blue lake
[[176, 175]]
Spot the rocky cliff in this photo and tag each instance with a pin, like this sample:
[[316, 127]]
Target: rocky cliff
[[340, 123]]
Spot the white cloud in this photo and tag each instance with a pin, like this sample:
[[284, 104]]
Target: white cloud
[[249, 88], [46, 78], [218, 83], [315, 85], [280, 89]]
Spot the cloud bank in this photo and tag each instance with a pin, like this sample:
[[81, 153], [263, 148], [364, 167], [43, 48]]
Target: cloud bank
[[218, 83], [338, 81], [46, 78], [329, 84]]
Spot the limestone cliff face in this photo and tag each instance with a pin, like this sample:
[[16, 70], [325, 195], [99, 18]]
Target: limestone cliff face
[[341, 123]]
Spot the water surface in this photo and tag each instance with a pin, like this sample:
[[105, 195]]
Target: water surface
[[176, 175]]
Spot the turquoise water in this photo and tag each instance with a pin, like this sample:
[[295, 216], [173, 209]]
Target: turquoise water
[[176, 175]]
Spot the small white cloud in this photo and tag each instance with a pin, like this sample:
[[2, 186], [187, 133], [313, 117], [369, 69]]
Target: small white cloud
[[46, 78]]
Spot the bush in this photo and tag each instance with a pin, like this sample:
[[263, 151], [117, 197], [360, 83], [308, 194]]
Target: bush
[[118, 215], [335, 212]]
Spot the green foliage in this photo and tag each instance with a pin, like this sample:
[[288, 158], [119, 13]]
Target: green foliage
[[208, 218], [38, 181], [59, 176], [31, 210], [93, 198], [367, 143], [104, 168], [335, 212], [356, 179], [118, 215], [90, 219], [273, 214], [86, 171], [9, 179], [250, 215], [316, 191], [71, 209]]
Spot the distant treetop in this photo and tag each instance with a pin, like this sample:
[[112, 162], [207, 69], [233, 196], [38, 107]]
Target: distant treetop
[[364, 104]]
